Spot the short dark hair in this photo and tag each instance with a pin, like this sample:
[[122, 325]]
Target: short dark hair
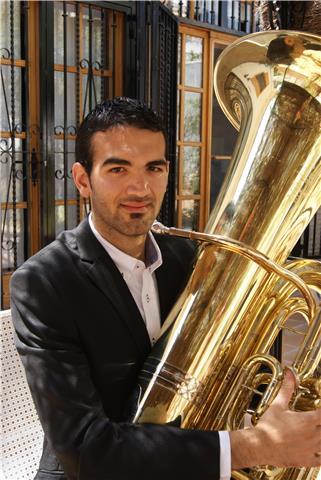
[[111, 113]]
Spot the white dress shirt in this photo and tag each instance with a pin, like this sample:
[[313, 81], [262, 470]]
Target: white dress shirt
[[141, 281]]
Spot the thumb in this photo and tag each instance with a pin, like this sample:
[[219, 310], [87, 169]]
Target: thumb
[[286, 391]]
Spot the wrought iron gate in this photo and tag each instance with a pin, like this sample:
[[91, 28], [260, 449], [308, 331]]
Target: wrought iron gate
[[58, 59]]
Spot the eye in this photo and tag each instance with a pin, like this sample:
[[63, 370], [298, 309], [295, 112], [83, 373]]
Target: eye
[[117, 170], [155, 168]]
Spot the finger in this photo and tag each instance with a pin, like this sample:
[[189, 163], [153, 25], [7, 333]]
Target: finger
[[287, 389]]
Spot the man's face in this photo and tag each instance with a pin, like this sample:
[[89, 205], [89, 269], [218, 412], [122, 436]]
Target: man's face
[[128, 180]]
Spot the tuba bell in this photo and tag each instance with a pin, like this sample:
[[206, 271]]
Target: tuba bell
[[213, 353]]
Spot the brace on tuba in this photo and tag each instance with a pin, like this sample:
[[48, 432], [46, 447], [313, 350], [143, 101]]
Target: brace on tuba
[[213, 353]]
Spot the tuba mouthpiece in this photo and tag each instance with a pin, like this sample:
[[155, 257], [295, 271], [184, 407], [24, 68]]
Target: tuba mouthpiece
[[158, 227]]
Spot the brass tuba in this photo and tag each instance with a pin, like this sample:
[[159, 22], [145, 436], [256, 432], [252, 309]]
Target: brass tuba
[[213, 353]]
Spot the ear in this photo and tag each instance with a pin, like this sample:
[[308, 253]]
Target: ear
[[81, 179]]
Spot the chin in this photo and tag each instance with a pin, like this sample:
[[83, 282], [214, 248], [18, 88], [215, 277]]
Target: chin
[[138, 226]]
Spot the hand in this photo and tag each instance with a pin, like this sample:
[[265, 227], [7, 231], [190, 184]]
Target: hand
[[282, 438]]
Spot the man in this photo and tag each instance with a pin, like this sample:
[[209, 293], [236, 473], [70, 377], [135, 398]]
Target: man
[[88, 307]]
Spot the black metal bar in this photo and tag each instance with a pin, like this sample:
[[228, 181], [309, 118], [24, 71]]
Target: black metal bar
[[204, 9], [252, 17], [46, 29], [141, 50], [232, 14], [223, 14], [65, 143], [212, 13], [197, 8], [102, 50], [78, 80], [90, 70], [25, 144], [245, 16], [239, 21], [148, 33], [155, 67], [113, 50], [180, 8], [130, 48], [13, 134]]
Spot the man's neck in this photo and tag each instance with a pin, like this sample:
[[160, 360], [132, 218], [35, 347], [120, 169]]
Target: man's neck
[[133, 246]]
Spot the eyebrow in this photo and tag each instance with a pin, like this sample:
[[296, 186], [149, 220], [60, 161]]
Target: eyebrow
[[121, 161]]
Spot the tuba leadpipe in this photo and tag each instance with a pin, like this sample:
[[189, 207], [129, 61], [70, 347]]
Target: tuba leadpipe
[[232, 309]]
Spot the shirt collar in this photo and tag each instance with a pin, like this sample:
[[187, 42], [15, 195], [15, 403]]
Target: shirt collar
[[125, 262]]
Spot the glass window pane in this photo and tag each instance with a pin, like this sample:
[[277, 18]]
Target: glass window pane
[[193, 66], [191, 170], [71, 34], [7, 181], [192, 116], [9, 240], [179, 56], [97, 26], [98, 83], [190, 214], [70, 98], [58, 33], [5, 27], [85, 27], [60, 217], [5, 98]]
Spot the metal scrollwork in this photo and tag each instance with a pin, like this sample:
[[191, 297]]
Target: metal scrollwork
[[60, 174], [19, 175], [97, 66], [19, 128], [71, 130], [8, 245], [84, 63], [59, 130], [5, 53], [5, 145]]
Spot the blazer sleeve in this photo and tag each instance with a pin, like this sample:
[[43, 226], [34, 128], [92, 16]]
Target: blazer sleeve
[[86, 442]]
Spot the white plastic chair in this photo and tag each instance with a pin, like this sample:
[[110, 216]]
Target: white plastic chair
[[21, 433]]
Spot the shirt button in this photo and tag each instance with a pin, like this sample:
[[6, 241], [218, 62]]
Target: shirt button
[[147, 298]]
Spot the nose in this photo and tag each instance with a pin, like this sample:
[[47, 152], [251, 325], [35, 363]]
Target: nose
[[138, 185]]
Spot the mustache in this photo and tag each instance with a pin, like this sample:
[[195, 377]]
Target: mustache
[[135, 199]]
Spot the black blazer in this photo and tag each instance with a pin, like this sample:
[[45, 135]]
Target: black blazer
[[82, 341]]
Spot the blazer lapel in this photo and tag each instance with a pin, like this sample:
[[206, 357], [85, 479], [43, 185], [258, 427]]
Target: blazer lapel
[[105, 275]]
